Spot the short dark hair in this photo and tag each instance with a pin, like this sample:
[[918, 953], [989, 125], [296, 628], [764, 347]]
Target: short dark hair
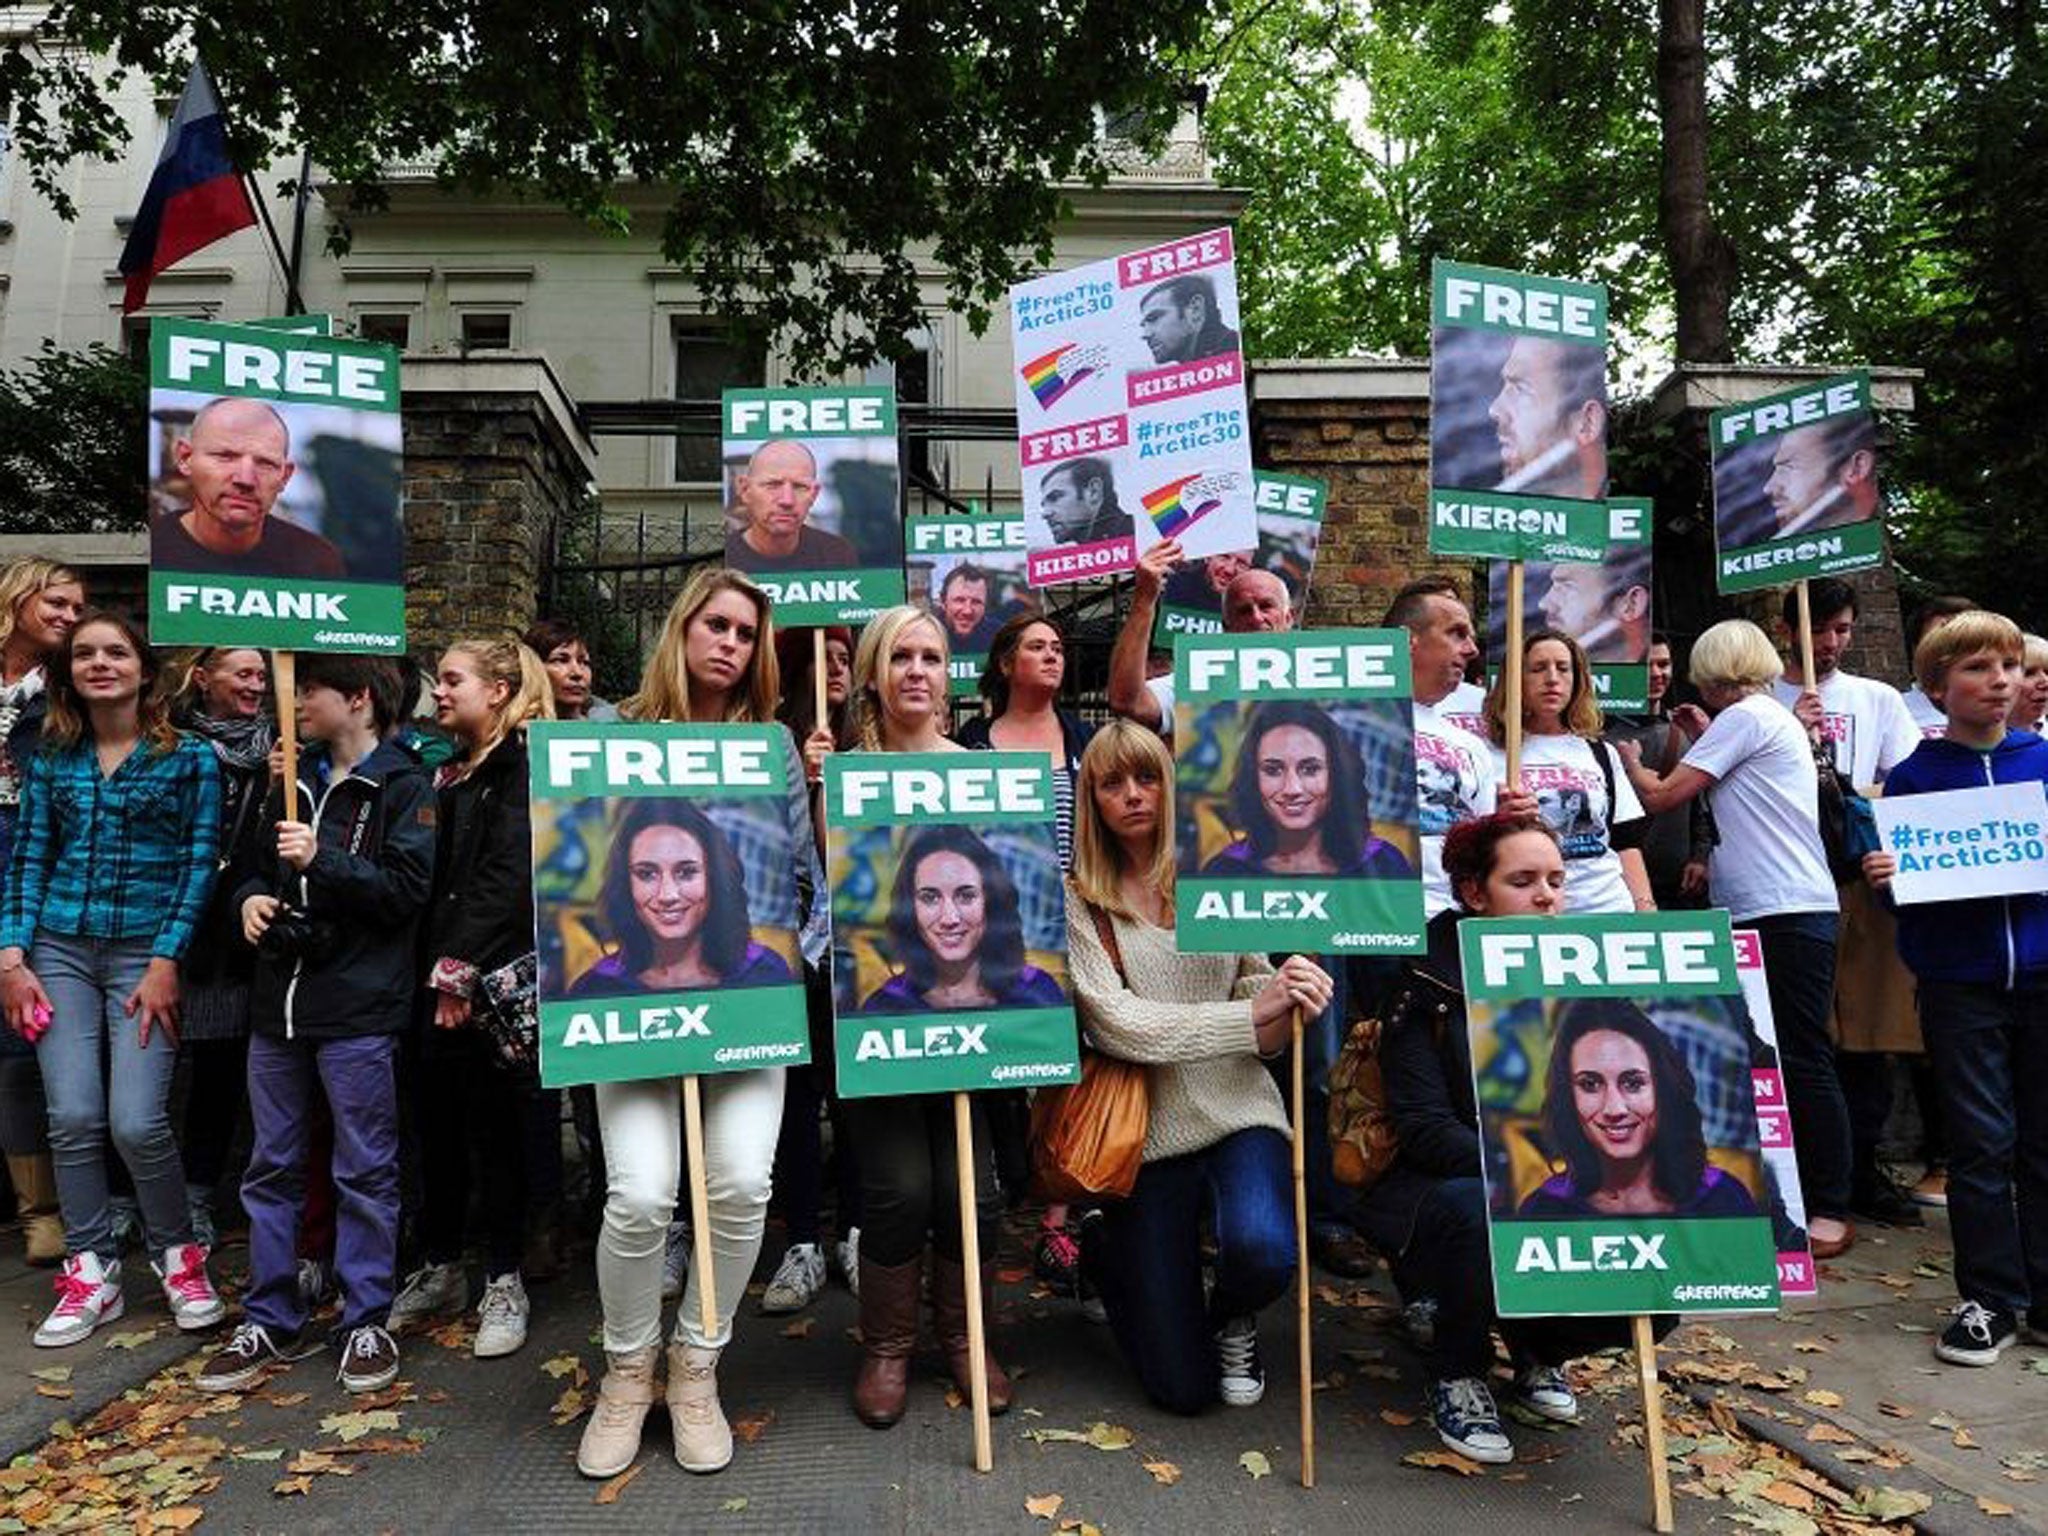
[[994, 685], [727, 927], [550, 633], [1471, 847], [1411, 604], [1825, 598], [1348, 824], [349, 674], [1581, 374], [1678, 1160], [1002, 942], [1933, 609], [1663, 638], [966, 570], [1189, 285], [1083, 470]]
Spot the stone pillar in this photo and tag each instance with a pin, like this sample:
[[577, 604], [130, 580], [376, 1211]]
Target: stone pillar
[[1360, 426], [495, 453], [1686, 600]]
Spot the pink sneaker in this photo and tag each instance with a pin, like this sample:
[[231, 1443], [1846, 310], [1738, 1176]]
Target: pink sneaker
[[194, 1306], [87, 1295]]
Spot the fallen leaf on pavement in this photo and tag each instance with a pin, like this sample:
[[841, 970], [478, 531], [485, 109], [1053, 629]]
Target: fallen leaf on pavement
[[1255, 1463], [1397, 1418], [1448, 1461], [44, 1389], [1045, 1506], [1821, 1399], [1993, 1508], [570, 1405], [288, 1399], [1892, 1503], [131, 1340], [750, 1427], [1790, 1495], [1963, 1442], [800, 1329], [560, 1365], [953, 1397], [1110, 1437], [1894, 1410], [1165, 1473], [1810, 1346], [734, 1506], [293, 1485], [353, 1426], [181, 1517], [609, 1493], [1821, 1432], [53, 1373]]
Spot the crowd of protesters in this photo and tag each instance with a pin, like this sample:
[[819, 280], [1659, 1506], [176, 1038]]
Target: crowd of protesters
[[327, 952]]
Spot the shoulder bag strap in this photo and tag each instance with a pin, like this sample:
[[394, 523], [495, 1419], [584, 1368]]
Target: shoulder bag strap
[[1106, 931]]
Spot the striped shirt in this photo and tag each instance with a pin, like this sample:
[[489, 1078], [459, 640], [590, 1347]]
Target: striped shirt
[[126, 855]]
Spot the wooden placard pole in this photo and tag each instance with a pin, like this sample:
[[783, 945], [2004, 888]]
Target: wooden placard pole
[[819, 694], [1807, 679], [1653, 1425], [700, 1205], [1512, 676], [970, 1264], [1301, 1270], [285, 677]]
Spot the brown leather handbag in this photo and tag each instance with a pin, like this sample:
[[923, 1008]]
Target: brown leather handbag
[[1088, 1138]]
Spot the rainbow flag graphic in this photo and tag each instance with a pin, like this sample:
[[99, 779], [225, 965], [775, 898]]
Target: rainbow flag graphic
[[1170, 511], [1047, 382]]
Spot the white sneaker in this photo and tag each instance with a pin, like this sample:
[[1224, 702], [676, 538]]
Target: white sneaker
[[675, 1260], [798, 1279], [1545, 1392], [194, 1306], [1240, 1377], [87, 1295], [432, 1290], [501, 1317], [846, 1253]]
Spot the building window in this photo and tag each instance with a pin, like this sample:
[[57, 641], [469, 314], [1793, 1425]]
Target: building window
[[916, 382], [487, 331], [393, 330], [709, 362]]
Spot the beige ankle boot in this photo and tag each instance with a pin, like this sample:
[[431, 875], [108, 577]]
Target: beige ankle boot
[[35, 1197], [611, 1440], [703, 1438]]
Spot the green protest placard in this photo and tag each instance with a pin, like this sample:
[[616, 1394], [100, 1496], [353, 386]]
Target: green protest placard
[[814, 502], [949, 969], [968, 568], [304, 325], [1290, 509], [1518, 415], [656, 958], [1612, 1066], [1294, 767], [1795, 485], [274, 490], [1605, 607]]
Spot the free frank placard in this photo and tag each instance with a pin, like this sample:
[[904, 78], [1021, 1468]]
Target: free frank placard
[[1612, 1064], [274, 489], [949, 960], [1518, 416], [664, 901], [1295, 803], [813, 500], [1795, 485]]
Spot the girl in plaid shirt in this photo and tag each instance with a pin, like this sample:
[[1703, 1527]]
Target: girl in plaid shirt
[[112, 864]]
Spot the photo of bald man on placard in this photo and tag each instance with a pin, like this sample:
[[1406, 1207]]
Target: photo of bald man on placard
[[774, 493]]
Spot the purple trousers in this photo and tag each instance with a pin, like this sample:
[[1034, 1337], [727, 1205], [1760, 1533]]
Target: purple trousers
[[360, 1081]]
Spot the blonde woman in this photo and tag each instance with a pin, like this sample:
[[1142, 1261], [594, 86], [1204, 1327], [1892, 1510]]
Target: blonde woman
[[40, 603], [909, 1181], [480, 918], [715, 661], [1216, 1145]]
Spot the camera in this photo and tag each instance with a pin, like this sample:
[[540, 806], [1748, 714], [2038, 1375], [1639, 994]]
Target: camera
[[296, 934]]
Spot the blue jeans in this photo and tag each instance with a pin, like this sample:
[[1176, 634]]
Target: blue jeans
[[1447, 1260], [360, 1080], [1799, 974], [1148, 1264], [1990, 1053], [128, 1097]]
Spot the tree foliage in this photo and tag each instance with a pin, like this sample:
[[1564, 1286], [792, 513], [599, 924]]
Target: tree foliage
[[808, 150], [71, 443]]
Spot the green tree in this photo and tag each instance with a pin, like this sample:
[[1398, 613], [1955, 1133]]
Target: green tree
[[71, 443], [808, 151]]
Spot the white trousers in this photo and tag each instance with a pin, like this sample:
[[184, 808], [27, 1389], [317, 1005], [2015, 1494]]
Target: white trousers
[[642, 1128]]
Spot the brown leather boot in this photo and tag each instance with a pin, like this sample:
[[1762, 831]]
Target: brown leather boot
[[949, 1316], [888, 1334], [35, 1197]]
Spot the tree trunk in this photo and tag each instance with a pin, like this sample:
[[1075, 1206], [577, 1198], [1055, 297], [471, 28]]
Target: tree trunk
[[1702, 259]]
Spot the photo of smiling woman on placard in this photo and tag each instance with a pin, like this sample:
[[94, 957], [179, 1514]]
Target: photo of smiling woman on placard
[[673, 909], [955, 930], [1621, 1111], [1298, 800]]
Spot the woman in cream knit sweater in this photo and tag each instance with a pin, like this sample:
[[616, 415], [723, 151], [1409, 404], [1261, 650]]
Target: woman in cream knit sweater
[[1217, 1139]]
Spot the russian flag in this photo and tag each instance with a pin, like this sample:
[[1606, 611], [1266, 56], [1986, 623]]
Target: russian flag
[[195, 196]]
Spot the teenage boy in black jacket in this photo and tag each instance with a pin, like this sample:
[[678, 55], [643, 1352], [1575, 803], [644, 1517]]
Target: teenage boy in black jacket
[[333, 989]]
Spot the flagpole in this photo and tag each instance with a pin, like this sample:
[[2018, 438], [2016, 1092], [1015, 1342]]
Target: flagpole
[[291, 277], [299, 225]]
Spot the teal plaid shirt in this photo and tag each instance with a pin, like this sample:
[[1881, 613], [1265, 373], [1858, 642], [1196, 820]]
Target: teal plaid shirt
[[126, 855]]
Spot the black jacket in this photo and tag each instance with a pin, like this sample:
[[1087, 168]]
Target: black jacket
[[248, 851], [1426, 1066], [27, 732], [371, 874], [1075, 734], [482, 913]]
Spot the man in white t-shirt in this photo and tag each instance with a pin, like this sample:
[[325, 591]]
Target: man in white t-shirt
[[1465, 707], [1863, 721]]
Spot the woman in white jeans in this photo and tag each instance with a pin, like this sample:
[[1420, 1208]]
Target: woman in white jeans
[[715, 662]]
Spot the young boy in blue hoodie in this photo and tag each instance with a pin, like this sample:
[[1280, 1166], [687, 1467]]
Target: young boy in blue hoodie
[[1982, 966], [333, 989]]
